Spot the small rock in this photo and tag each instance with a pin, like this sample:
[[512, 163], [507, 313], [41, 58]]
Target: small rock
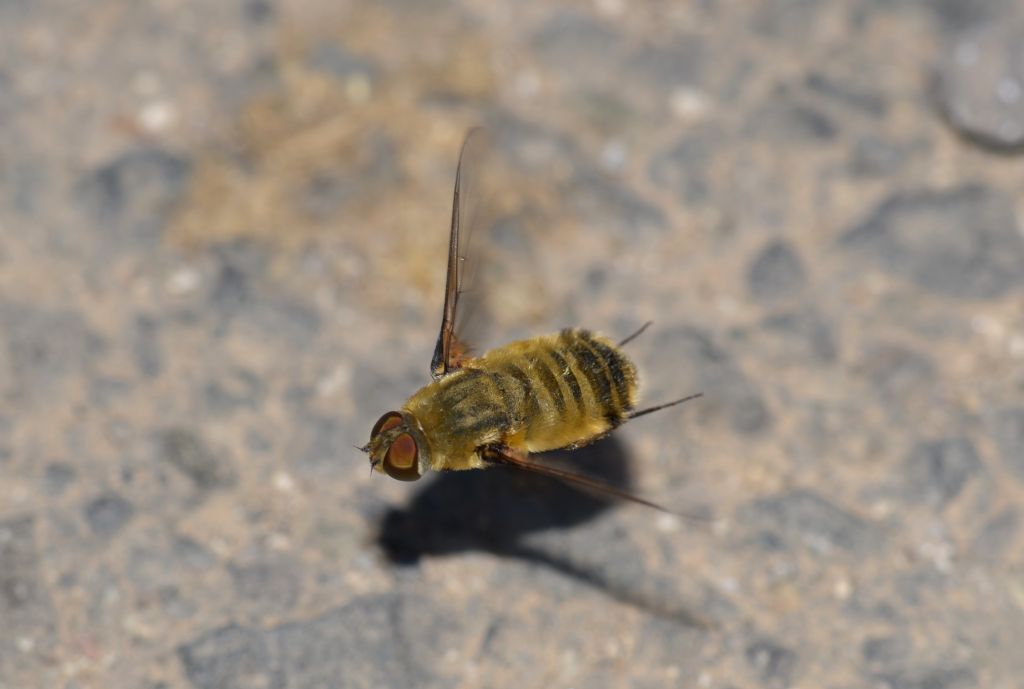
[[903, 377], [369, 643], [335, 60], [58, 477], [699, 364], [44, 347], [190, 454], [578, 44], [108, 514], [882, 652], [684, 168], [232, 658], [132, 196], [807, 518], [1008, 429], [961, 243], [776, 273], [787, 120], [664, 69], [272, 584], [607, 205], [981, 85], [856, 96], [372, 642], [796, 337], [773, 664], [936, 471], [19, 574], [145, 339], [874, 157], [234, 389], [241, 264], [996, 536], [931, 678], [25, 605]]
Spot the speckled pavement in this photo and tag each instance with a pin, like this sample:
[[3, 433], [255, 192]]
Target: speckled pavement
[[222, 235]]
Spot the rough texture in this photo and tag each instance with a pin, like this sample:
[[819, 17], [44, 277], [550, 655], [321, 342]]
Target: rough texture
[[222, 234]]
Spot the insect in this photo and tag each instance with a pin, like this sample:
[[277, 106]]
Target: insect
[[556, 391]]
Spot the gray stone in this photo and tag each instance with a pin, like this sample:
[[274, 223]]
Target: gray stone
[[378, 641], [776, 273], [937, 470], [335, 60], [772, 663], [858, 97], [320, 444], [606, 204], [961, 243], [872, 157], [259, 11], [185, 450], [108, 514], [192, 554], [1008, 430], [903, 378], [996, 536], [785, 119], [931, 678], [6, 439], [25, 605], [684, 167], [372, 169], [664, 68], [132, 196], [44, 347], [232, 658], [961, 15], [981, 85], [240, 265], [699, 364], [233, 389], [789, 20], [372, 642], [58, 477], [885, 652], [269, 583], [796, 337], [530, 146], [802, 517], [577, 44], [145, 343]]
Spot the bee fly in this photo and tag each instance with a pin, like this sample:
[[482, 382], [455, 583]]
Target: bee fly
[[558, 391]]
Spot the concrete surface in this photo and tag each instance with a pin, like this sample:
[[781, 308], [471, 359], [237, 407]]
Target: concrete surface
[[222, 234]]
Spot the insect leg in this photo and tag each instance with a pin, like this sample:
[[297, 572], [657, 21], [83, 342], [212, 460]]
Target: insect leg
[[641, 412], [637, 334]]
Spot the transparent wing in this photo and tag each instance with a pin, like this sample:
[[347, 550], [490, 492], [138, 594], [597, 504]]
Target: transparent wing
[[449, 349], [487, 251]]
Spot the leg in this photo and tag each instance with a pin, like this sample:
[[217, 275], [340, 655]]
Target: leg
[[637, 334], [641, 412]]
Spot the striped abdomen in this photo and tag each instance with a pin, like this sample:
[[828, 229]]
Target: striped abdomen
[[562, 390], [548, 392]]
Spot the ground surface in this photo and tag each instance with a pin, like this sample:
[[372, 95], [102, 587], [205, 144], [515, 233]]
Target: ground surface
[[222, 231]]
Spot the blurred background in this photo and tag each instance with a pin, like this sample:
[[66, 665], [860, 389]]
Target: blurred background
[[222, 242]]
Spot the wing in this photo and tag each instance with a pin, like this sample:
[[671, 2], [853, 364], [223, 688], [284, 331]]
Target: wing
[[472, 213], [492, 277], [523, 462]]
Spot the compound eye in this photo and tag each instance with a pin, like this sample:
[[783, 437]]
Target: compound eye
[[386, 422], [401, 461]]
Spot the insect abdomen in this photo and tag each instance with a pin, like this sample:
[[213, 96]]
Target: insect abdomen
[[564, 390]]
